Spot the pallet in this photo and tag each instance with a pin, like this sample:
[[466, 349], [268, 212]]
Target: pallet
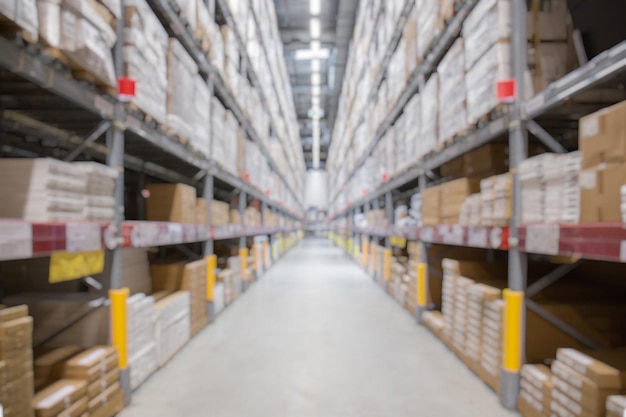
[[83, 75], [142, 115], [495, 113], [11, 30]]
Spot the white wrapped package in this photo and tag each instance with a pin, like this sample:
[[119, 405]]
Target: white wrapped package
[[452, 114], [189, 11], [429, 120], [412, 112], [23, 13], [481, 81], [429, 24], [182, 71], [486, 25], [145, 58], [50, 22], [201, 140], [87, 39]]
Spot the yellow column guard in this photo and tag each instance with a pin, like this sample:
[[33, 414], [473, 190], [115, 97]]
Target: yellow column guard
[[119, 331], [387, 265], [512, 334], [243, 257], [374, 257], [366, 251], [211, 267], [422, 285]]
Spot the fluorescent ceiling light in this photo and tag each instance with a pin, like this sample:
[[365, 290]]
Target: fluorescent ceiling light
[[316, 78], [315, 65], [316, 90], [316, 45], [316, 28], [316, 7], [304, 54], [315, 101]]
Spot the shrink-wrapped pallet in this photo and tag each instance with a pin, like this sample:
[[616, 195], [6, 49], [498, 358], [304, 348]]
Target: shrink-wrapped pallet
[[23, 14], [452, 114], [42, 190], [201, 139], [100, 191], [487, 24], [481, 81], [562, 191], [429, 121], [182, 71], [532, 178], [145, 58], [429, 24]]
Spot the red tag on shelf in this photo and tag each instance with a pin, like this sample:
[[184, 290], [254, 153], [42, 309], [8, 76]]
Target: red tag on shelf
[[246, 176], [385, 177], [364, 191], [267, 192], [126, 88], [507, 90]]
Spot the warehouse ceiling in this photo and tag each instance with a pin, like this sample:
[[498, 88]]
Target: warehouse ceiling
[[337, 22]]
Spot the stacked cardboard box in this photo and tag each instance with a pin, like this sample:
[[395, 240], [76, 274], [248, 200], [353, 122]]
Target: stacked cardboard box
[[98, 367], [429, 24], [434, 321], [503, 203], [450, 275], [171, 203], [491, 353], [479, 296], [487, 201], [66, 397], [623, 205], [194, 280], [173, 326], [100, 204], [16, 355], [461, 313], [201, 138], [219, 213], [145, 58], [48, 368], [602, 141], [453, 194], [22, 14], [431, 204], [583, 382], [208, 32], [232, 284], [615, 406], [452, 115], [536, 391], [42, 190], [142, 349]]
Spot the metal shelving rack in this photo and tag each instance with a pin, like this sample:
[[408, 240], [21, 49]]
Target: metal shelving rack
[[601, 241], [41, 99]]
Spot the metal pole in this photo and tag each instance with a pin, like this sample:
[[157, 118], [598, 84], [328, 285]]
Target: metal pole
[[389, 210], [207, 194], [243, 202], [514, 335]]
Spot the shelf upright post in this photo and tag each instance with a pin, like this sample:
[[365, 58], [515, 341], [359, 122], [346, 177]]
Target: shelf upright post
[[243, 202], [389, 211], [514, 312], [209, 249], [422, 267], [115, 160]]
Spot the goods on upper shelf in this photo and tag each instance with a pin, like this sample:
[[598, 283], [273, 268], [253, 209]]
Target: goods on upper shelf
[[22, 13], [171, 203]]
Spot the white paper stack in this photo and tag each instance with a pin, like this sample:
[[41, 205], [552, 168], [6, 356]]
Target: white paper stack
[[461, 310], [452, 114], [491, 353], [201, 139], [562, 199], [218, 298], [448, 305], [100, 191], [416, 208], [42, 190], [182, 71], [487, 197], [145, 58], [471, 211], [412, 112], [429, 120], [173, 325], [479, 295], [22, 13], [142, 348], [531, 174], [503, 195], [429, 24]]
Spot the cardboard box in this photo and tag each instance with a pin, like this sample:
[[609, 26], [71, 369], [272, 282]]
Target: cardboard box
[[114, 404], [99, 386], [607, 369], [527, 408], [602, 136], [202, 211], [92, 364], [600, 193], [167, 276], [616, 406], [171, 203], [56, 398], [103, 398], [487, 158]]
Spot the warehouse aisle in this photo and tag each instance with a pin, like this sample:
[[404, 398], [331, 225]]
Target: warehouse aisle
[[315, 338]]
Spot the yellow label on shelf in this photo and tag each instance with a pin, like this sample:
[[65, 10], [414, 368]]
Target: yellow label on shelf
[[398, 241], [66, 266]]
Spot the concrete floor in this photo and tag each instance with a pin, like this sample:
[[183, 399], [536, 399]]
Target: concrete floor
[[316, 337]]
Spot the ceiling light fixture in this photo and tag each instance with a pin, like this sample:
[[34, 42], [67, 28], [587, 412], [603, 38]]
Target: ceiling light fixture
[[316, 90], [315, 65], [312, 54], [316, 45], [316, 28], [316, 7], [316, 78]]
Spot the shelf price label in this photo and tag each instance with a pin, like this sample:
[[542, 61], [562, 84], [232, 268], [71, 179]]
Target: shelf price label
[[65, 266], [398, 241]]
